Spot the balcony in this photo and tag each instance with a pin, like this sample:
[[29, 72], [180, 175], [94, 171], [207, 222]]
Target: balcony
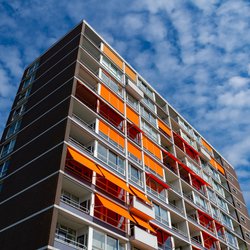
[[142, 210], [143, 239], [73, 206], [204, 154], [70, 233], [66, 241], [134, 90]]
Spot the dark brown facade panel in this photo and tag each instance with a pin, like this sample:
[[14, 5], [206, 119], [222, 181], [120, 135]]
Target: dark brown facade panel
[[55, 70], [234, 183], [67, 49], [52, 85], [29, 235], [61, 43], [39, 169], [64, 78], [30, 202], [231, 171], [39, 146], [43, 116], [242, 209]]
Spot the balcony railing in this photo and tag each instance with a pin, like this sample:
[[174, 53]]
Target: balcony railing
[[74, 204], [178, 231], [176, 208], [69, 240], [156, 194], [89, 125]]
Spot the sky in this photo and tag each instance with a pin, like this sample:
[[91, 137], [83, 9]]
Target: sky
[[196, 53]]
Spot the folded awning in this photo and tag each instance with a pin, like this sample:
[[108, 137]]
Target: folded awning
[[139, 194], [83, 160], [160, 182], [114, 207], [114, 179], [143, 223], [193, 173]]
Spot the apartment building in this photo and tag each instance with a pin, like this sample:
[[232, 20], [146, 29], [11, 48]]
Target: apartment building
[[92, 157]]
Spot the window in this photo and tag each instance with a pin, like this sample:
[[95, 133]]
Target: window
[[161, 214], [206, 177], [230, 177], [28, 81], [149, 131], [70, 198], [23, 95], [247, 235], [7, 148], [145, 88], [132, 101], [214, 212], [149, 103], [112, 68], [135, 175], [102, 241], [218, 188], [19, 111], [14, 127], [211, 195], [200, 201], [65, 233], [3, 168], [214, 174], [193, 167], [242, 219], [148, 116], [222, 204], [112, 84], [197, 137], [234, 190], [113, 160], [32, 68], [226, 220], [238, 204], [231, 239]]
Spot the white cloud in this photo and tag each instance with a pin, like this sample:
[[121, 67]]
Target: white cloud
[[6, 89], [11, 59], [238, 81]]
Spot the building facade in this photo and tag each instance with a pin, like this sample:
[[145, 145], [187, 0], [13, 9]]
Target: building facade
[[92, 157]]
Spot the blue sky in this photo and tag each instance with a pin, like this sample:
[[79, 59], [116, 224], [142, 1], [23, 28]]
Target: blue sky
[[196, 53]]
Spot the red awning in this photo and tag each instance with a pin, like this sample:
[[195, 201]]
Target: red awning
[[208, 237], [205, 214], [136, 127], [187, 168], [194, 174], [160, 182], [186, 144], [170, 155]]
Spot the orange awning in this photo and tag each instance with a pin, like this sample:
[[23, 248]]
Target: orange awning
[[139, 194], [114, 207], [114, 179], [164, 128], [134, 150], [151, 147], [205, 144], [112, 134], [153, 165], [84, 160], [132, 116], [112, 98], [112, 56], [143, 223], [130, 72]]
